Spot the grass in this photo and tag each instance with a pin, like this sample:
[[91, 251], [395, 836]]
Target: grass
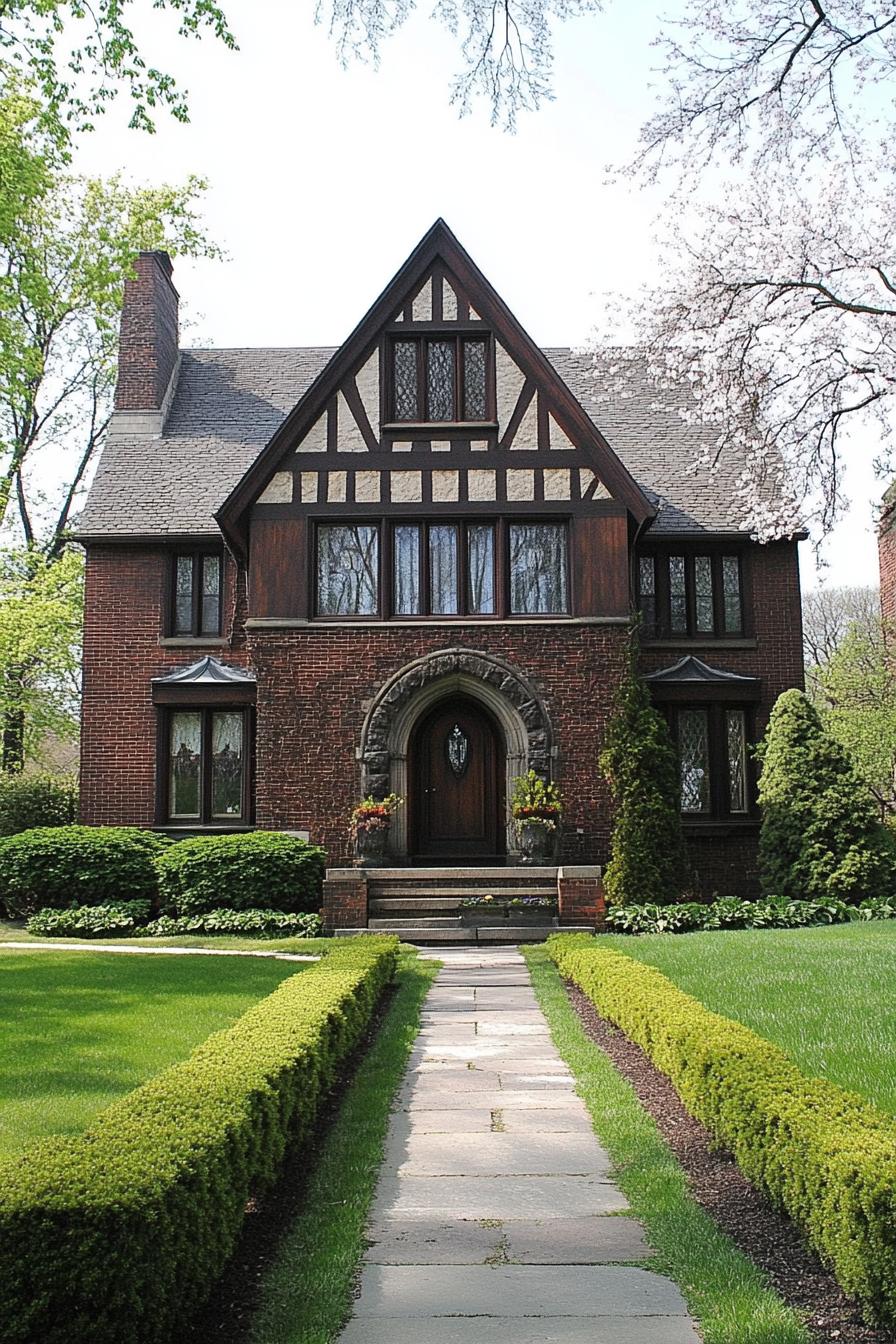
[[306, 1295], [724, 1290], [15, 933], [825, 995], [79, 1029]]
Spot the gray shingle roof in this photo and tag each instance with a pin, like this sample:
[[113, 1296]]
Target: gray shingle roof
[[228, 403]]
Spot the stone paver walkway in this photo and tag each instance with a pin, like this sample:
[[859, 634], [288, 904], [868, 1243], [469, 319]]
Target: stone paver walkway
[[494, 1201]]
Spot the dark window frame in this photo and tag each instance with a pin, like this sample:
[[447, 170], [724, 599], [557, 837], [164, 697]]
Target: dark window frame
[[205, 820], [385, 605], [661, 556], [197, 557], [719, 778], [410, 333]]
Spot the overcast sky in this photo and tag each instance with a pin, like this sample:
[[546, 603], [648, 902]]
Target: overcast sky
[[323, 180]]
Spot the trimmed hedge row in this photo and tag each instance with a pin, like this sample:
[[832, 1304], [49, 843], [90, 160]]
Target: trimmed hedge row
[[54, 866], [115, 1236], [261, 869], [824, 1155], [774, 912]]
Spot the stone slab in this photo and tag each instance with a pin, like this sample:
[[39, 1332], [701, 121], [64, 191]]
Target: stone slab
[[496, 1154], [463, 1241], [441, 1097], [476, 1120], [449, 1058], [513, 1330], [444, 1241], [513, 1291], [505, 1197], [576, 1241], [571, 1119]]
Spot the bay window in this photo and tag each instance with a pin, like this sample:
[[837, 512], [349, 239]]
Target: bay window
[[206, 766], [712, 760]]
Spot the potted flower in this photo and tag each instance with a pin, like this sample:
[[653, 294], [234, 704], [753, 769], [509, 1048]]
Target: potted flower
[[536, 808], [370, 825], [482, 911], [540, 910]]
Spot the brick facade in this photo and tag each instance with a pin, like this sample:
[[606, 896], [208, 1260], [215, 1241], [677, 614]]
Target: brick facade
[[886, 554], [148, 343]]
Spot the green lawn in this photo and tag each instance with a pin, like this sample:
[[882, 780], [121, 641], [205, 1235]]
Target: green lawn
[[826, 995], [80, 1028]]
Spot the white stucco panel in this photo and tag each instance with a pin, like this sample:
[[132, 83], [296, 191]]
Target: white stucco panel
[[406, 487], [349, 438], [368, 380], [509, 381], [449, 302], [278, 489], [445, 486], [315, 441], [558, 438], [481, 484], [367, 487], [309, 487], [527, 434], [557, 483], [422, 310], [520, 484], [336, 487]]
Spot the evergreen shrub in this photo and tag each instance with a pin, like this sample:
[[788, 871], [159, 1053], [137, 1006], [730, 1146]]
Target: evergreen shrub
[[648, 860], [36, 800], [824, 1155], [261, 870], [113, 919], [821, 835], [60, 866], [117, 1235]]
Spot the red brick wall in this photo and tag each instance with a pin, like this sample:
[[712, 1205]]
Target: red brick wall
[[886, 554], [123, 624], [148, 340]]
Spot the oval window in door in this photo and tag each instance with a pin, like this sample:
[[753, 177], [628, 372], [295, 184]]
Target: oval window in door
[[457, 747]]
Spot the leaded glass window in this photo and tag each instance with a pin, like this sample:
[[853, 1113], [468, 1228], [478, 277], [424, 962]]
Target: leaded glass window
[[481, 569], [440, 391], [347, 570], [647, 586], [678, 595], [197, 595], [185, 765], [732, 595], [703, 601], [443, 593], [693, 756], [405, 398], [474, 380], [406, 571], [537, 569], [736, 742], [227, 764]]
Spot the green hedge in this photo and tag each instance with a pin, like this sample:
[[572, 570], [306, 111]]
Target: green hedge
[[114, 919], [115, 1236], [36, 800], [261, 870], [822, 1154], [244, 923], [59, 866], [774, 912]]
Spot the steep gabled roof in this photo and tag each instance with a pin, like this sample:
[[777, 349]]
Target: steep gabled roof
[[438, 245]]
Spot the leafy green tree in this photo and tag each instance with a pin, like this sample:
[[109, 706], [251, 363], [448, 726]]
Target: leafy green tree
[[821, 833], [648, 860]]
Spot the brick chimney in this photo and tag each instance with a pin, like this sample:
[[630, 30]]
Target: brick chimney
[[886, 555], [148, 341]]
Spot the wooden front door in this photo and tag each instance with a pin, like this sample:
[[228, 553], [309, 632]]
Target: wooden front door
[[457, 802]]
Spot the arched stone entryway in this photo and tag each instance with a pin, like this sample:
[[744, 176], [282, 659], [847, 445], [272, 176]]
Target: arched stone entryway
[[396, 710]]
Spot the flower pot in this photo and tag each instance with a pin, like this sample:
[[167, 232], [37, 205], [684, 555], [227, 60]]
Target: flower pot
[[483, 916], [536, 842], [370, 846], [545, 914]]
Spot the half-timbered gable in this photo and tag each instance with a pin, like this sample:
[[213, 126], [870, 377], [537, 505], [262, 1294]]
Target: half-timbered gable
[[410, 564]]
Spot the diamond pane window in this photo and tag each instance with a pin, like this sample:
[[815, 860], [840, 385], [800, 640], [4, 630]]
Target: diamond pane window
[[227, 764], [474, 380], [440, 380], [210, 616], [406, 571], [183, 595], [693, 756], [537, 569], [481, 569], [405, 399], [703, 604], [736, 735], [443, 571], [678, 597], [732, 595], [185, 765], [347, 570], [647, 586]]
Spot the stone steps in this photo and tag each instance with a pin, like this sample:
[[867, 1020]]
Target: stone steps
[[506, 932]]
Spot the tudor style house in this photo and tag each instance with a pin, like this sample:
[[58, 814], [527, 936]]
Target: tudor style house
[[409, 565]]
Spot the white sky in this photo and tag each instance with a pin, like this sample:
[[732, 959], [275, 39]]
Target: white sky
[[323, 180]]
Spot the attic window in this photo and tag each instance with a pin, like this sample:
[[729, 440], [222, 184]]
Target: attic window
[[440, 379]]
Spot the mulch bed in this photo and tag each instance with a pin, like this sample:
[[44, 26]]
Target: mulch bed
[[769, 1238]]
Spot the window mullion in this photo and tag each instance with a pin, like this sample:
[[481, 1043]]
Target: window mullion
[[718, 596], [422, 380], [197, 594], [690, 595], [459, 392]]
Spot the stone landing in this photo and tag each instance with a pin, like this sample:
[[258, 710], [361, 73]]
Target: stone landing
[[495, 1219]]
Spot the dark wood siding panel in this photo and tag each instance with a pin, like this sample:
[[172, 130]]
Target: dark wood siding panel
[[600, 565], [278, 567]]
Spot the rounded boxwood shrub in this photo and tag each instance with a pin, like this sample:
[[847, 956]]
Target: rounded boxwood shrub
[[262, 870], [821, 834], [36, 800], [59, 866]]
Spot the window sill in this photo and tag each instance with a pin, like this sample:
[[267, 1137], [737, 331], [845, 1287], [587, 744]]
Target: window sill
[[439, 428], [197, 828], [193, 642], [404, 623], [700, 642], [720, 826]]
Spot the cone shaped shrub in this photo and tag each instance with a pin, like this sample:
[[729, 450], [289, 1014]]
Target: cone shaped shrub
[[821, 833], [648, 860]]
